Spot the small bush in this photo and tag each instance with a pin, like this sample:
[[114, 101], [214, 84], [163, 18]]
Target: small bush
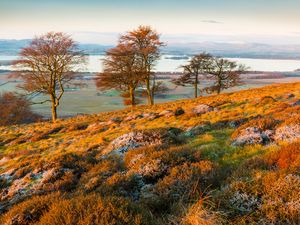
[[92, 209], [281, 203], [29, 211], [287, 157], [15, 109], [186, 181], [197, 214]]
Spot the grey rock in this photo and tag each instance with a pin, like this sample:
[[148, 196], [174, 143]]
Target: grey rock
[[133, 140], [295, 103], [287, 133], [253, 135], [196, 130], [167, 113], [202, 109]]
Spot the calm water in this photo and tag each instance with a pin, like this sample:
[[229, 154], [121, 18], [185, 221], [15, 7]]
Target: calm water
[[166, 65]]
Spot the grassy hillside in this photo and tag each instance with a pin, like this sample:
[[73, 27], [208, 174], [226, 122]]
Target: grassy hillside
[[227, 159]]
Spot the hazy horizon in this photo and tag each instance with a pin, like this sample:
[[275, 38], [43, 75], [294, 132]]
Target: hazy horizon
[[101, 22]]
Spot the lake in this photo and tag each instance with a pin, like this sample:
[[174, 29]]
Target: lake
[[170, 65]]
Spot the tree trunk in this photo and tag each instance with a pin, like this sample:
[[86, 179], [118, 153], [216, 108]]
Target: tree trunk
[[149, 92], [54, 112], [219, 86], [132, 97], [53, 109], [196, 86]]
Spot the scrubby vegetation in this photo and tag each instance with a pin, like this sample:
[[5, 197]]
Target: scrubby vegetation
[[224, 159], [15, 109]]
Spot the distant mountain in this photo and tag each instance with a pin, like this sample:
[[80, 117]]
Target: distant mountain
[[13, 47], [240, 50]]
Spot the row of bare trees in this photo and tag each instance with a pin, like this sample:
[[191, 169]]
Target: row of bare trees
[[53, 60], [221, 72]]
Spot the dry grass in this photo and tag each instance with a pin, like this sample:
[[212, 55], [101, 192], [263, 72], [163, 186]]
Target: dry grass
[[248, 185]]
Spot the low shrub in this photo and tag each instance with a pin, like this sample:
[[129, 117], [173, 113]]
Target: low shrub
[[29, 211], [287, 157], [92, 209]]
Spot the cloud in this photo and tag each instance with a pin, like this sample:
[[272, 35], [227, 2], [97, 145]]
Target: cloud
[[211, 21]]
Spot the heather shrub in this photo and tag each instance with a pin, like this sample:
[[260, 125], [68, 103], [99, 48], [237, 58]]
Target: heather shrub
[[281, 202], [93, 209], [292, 120], [239, 197], [122, 184], [29, 211], [101, 171], [154, 162], [287, 157], [186, 181], [198, 214]]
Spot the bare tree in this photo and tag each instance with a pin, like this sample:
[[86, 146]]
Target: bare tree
[[224, 73], [121, 71], [50, 62], [197, 66], [147, 44]]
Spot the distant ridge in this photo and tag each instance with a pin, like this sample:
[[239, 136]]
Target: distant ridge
[[224, 49]]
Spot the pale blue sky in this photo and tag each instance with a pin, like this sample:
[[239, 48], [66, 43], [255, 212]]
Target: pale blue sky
[[99, 21]]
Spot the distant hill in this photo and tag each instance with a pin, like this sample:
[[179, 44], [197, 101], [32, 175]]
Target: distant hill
[[13, 47], [239, 50]]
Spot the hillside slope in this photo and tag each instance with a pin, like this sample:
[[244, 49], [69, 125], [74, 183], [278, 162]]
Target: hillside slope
[[227, 159]]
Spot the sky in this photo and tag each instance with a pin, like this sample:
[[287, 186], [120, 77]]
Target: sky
[[179, 21]]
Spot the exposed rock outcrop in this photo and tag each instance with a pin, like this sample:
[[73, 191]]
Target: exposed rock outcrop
[[138, 139], [287, 133], [167, 113], [202, 109], [253, 135]]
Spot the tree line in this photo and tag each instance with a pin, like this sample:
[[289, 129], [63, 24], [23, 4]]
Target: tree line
[[53, 60]]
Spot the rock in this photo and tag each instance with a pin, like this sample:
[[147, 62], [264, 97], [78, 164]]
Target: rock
[[152, 169], [138, 139], [287, 133], [115, 120], [295, 103], [196, 130], [135, 117], [35, 182], [146, 115], [253, 135], [202, 109], [179, 111], [289, 95], [153, 116], [167, 113], [134, 140], [129, 118]]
